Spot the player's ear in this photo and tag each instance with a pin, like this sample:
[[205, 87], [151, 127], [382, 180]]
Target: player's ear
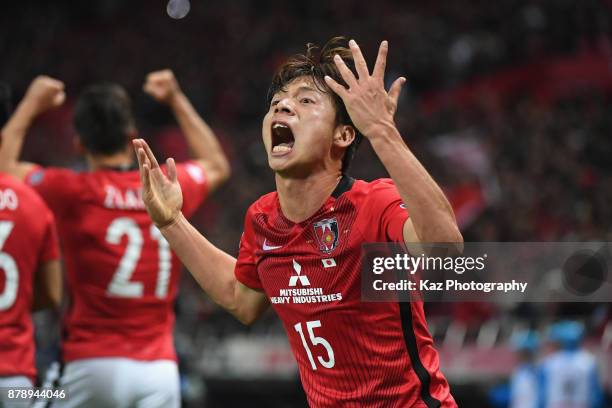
[[78, 146], [344, 135]]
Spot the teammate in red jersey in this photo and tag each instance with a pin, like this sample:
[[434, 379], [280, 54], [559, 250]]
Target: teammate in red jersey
[[30, 272], [122, 277], [30, 278], [301, 245]]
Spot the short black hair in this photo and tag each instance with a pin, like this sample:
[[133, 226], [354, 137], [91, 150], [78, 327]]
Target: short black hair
[[316, 63], [6, 106], [103, 118]]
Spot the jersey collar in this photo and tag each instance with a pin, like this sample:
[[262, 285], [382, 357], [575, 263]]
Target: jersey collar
[[345, 184], [129, 167]]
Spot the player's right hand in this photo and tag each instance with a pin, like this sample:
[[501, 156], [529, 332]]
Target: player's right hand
[[161, 194], [45, 93], [162, 86]]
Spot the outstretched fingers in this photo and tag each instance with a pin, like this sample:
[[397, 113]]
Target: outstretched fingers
[[345, 72], [381, 61], [148, 152], [361, 65], [396, 89], [339, 89], [171, 167], [145, 169], [144, 163]]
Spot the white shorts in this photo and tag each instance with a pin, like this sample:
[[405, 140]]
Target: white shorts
[[14, 382], [117, 383]]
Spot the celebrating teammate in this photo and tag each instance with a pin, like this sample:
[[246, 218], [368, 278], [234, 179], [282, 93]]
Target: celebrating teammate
[[30, 277], [122, 277], [301, 245]]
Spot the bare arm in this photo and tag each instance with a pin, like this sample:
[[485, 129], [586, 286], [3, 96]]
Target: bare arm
[[372, 110], [431, 216], [202, 142], [48, 286], [212, 268], [44, 93]]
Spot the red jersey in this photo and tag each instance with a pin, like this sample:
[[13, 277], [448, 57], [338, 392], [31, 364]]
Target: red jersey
[[27, 240], [121, 275], [349, 353]]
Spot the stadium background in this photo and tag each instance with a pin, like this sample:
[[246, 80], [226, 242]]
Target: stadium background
[[508, 104]]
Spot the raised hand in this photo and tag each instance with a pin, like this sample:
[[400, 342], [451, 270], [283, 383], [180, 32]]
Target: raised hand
[[162, 86], [161, 194], [367, 102], [43, 94]]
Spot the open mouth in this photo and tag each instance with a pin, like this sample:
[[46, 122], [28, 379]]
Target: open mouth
[[282, 138]]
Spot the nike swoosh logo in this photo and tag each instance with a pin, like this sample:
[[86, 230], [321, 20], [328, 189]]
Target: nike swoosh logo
[[267, 247]]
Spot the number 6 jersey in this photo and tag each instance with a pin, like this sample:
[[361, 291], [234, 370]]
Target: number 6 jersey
[[27, 240], [349, 353], [121, 275]]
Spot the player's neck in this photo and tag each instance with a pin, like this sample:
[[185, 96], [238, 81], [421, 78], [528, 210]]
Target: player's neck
[[300, 198], [121, 159]]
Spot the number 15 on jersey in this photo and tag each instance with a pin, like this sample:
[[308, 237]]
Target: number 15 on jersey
[[315, 340]]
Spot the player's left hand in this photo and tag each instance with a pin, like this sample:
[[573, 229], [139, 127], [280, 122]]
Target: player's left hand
[[367, 102], [162, 86]]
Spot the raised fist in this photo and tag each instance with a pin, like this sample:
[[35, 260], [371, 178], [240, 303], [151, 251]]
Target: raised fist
[[162, 85], [45, 93]]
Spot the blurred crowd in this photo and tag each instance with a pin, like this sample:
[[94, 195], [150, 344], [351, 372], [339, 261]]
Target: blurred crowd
[[516, 166], [529, 154]]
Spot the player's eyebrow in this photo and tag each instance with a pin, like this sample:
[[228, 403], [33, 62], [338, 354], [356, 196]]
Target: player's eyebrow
[[303, 88], [307, 88]]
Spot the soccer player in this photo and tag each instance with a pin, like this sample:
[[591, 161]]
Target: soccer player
[[569, 377], [524, 379], [122, 277], [30, 279], [301, 245], [30, 276]]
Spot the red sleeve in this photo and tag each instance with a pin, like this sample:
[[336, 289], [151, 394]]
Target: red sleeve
[[246, 267], [50, 247], [57, 186], [385, 211], [194, 185]]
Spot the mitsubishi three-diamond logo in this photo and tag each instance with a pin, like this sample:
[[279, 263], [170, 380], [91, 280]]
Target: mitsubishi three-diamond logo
[[300, 291], [303, 279]]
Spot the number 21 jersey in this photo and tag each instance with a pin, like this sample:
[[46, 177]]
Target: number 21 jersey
[[122, 277]]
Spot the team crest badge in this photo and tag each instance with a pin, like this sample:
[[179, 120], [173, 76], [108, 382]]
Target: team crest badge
[[326, 232]]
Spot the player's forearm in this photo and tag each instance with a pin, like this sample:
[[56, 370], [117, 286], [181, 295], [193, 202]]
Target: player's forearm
[[13, 134], [430, 211], [48, 286], [200, 137], [212, 268]]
